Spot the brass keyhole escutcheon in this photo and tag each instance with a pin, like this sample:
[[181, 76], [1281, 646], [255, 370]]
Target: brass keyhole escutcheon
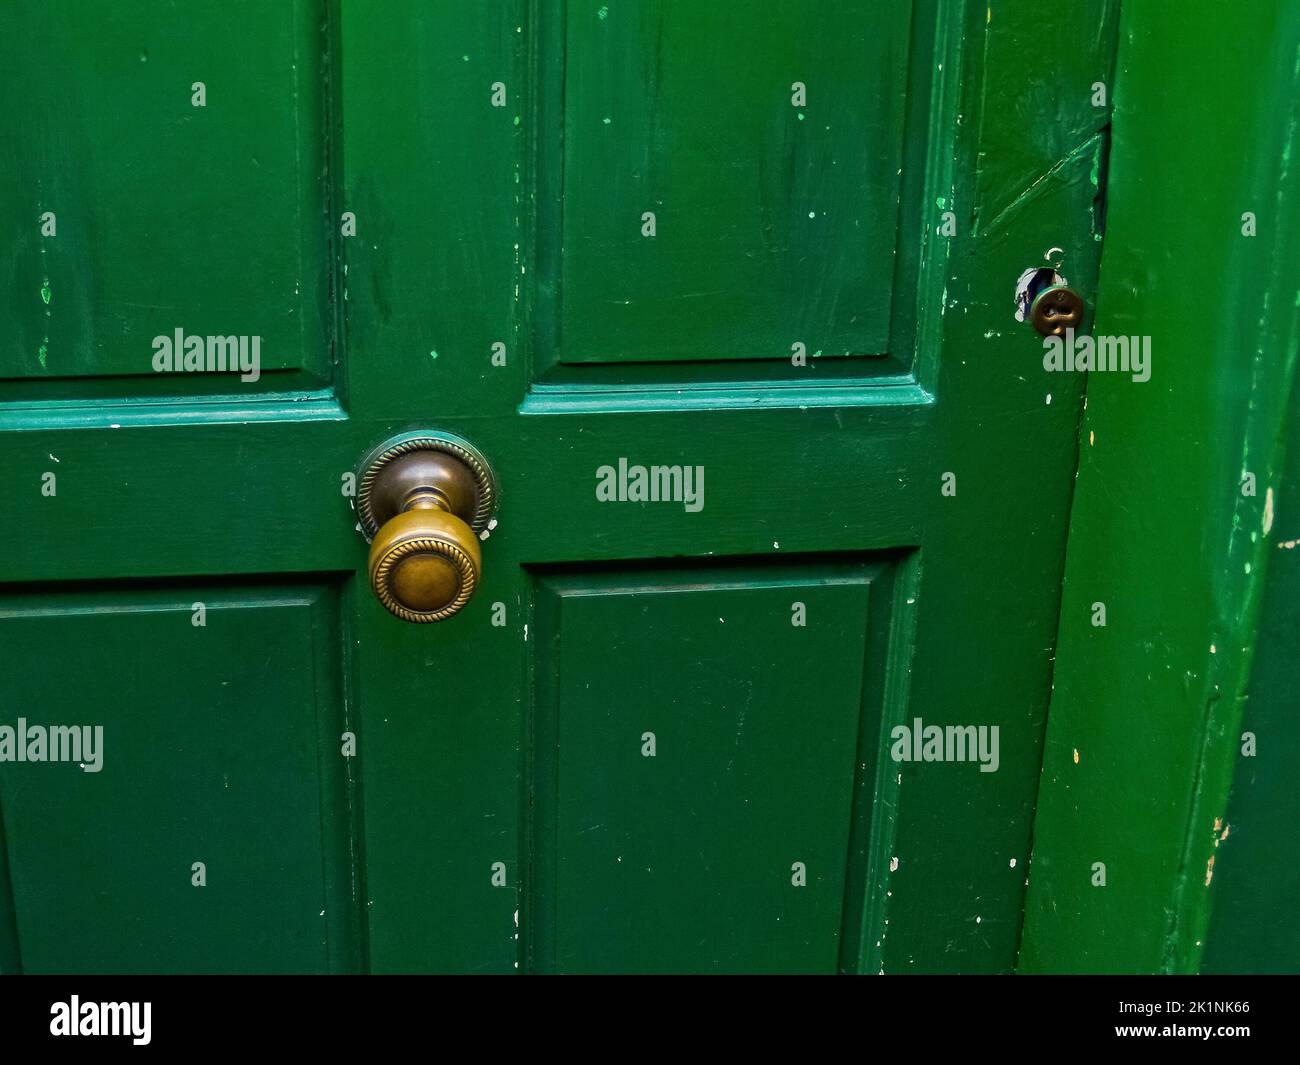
[[423, 498], [1055, 310]]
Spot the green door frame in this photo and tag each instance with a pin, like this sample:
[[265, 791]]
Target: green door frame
[[1145, 725]]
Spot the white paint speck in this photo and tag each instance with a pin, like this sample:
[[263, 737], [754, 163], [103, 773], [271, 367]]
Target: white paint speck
[[1268, 510]]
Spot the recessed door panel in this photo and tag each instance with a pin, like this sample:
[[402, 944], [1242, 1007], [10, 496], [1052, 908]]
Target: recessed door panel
[[200, 824], [172, 178], [671, 702], [730, 177]]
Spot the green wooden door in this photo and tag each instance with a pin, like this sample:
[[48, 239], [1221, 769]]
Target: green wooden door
[[581, 236]]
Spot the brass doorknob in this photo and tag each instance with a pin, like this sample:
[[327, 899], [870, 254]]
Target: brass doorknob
[[423, 499]]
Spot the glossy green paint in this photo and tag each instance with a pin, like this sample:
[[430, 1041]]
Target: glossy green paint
[[499, 774], [667, 830], [701, 127], [228, 759], [1253, 927], [202, 227], [1145, 725]]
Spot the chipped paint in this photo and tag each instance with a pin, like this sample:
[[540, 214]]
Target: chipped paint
[[1023, 283]]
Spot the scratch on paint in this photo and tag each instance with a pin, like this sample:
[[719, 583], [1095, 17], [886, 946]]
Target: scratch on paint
[[43, 351], [1090, 146]]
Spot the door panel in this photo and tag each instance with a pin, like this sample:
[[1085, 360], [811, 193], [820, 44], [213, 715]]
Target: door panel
[[213, 214], [218, 746], [498, 287], [661, 116], [654, 752]]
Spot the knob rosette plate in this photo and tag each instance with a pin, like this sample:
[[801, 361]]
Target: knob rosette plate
[[424, 499]]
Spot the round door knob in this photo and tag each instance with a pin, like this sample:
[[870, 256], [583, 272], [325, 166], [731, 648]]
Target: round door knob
[[423, 499], [424, 563]]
